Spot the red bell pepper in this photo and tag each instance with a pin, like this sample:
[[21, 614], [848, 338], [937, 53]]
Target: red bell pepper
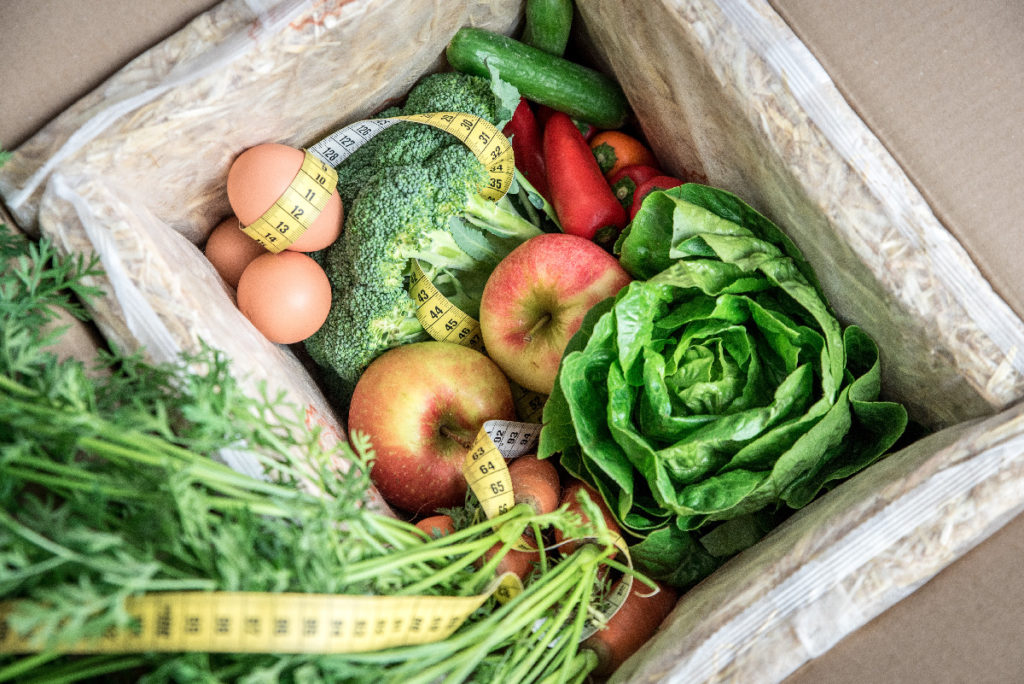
[[583, 200], [588, 130], [649, 186], [527, 145], [625, 182]]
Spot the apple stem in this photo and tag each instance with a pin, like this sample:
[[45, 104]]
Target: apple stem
[[455, 436], [544, 320]]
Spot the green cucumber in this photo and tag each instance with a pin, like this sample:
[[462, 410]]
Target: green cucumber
[[546, 79], [547, 25]]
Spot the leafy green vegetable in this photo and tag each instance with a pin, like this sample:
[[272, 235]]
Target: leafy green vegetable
[[718, 386], [109, 489]]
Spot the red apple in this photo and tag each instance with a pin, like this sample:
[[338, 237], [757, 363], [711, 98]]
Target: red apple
[[535, 299], [422, 405]]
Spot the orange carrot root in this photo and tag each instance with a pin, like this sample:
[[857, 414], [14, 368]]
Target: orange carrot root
[[436, 525], [535, 482], [630, 628], [570, 497], [519, 562]]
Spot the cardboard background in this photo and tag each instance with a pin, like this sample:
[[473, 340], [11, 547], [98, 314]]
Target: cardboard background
[[56, 51], [939, 83]]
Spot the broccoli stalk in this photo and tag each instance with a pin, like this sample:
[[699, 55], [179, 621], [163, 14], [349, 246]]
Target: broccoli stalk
[[498, 218], [412, 193]]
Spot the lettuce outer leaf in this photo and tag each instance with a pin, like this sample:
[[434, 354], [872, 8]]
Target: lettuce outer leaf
[[717, 390]]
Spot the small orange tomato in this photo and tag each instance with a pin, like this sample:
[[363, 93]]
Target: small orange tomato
[[287, 296], [616, 150]]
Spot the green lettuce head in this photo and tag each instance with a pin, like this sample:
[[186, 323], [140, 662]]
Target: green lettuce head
[[715, 391]]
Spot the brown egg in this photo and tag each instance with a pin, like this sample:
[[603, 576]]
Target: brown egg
[[286, 296], [259, 176], [230, 250]]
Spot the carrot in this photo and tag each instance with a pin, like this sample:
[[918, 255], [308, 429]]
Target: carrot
[[535, 482], [631, 626], [520, 562], [570, 496], [436, 525], [615, 150]]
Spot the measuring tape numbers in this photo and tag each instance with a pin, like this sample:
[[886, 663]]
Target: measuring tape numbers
[[297, 207], [252, 622], [486, 471], [484, 140], [439, 317], [486, 467]]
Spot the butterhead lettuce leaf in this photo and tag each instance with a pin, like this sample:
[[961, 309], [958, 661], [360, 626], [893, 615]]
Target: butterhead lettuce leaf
[[716, 389]]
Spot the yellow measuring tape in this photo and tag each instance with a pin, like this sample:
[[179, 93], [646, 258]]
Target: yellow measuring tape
[[485, 466], [297, 207], [487, 143], [439, 317], [307, 195], [251, 622]]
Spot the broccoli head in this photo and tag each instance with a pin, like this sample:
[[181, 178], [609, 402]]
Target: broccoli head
[[408, 143], [413, 196]]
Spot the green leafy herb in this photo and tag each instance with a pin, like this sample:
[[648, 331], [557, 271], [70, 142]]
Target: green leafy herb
[[718, 386], [110, 488]]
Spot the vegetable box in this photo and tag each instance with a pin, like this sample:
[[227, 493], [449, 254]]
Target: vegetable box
[[136, 171]]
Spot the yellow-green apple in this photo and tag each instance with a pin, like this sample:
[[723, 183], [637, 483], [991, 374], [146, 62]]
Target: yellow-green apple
[[535, 300], [422, 405]]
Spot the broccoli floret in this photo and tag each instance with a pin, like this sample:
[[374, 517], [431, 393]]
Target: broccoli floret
[[407, 143], [412, 196], [452, 91]]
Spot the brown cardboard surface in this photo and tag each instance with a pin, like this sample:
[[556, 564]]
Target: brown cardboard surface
[[55, 51], [962, 626], [941, 83]]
